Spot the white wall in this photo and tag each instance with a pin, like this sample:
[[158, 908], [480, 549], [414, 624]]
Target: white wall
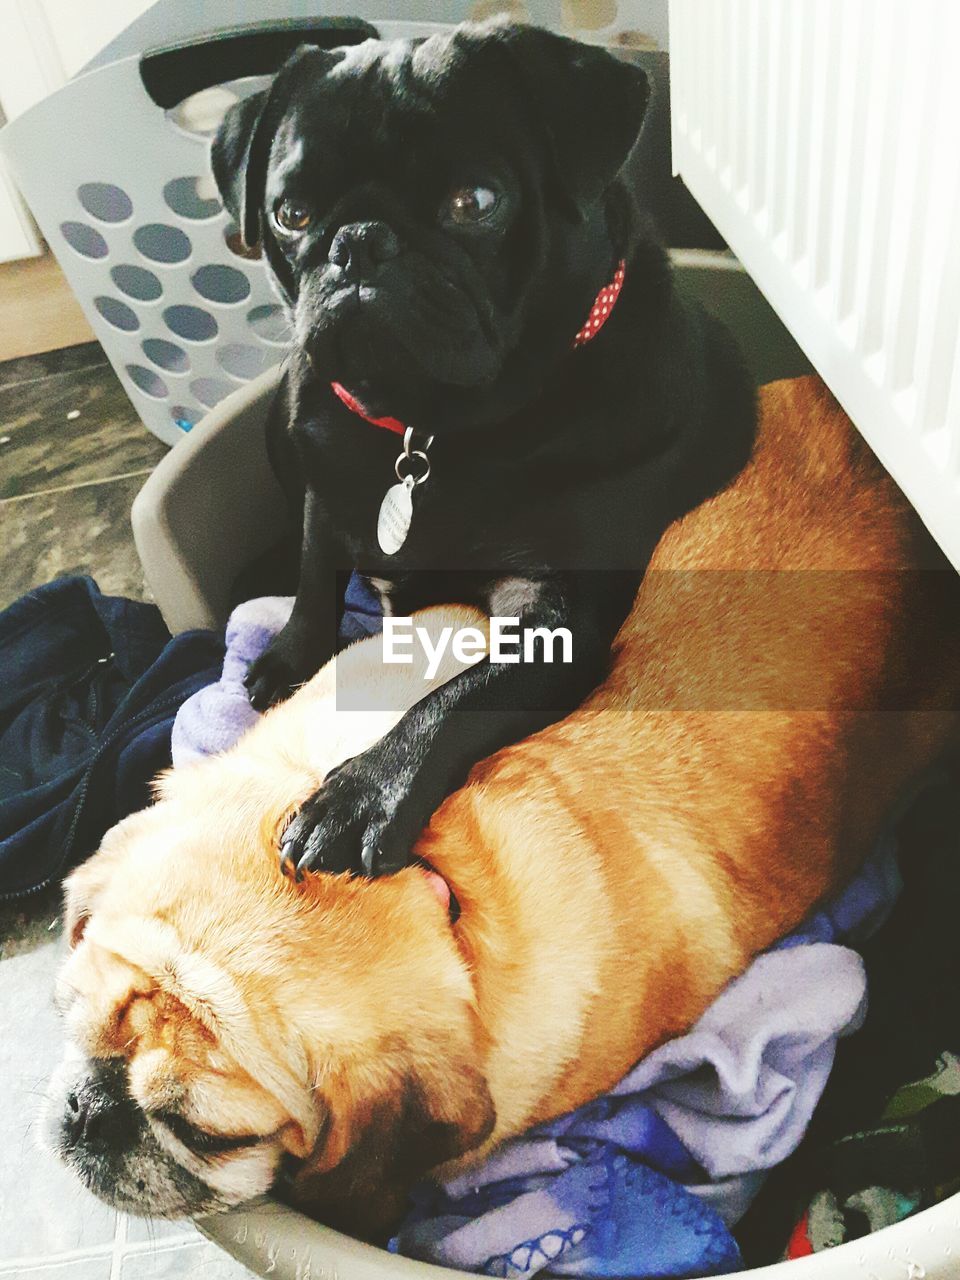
[[42, 44], [80, 28]]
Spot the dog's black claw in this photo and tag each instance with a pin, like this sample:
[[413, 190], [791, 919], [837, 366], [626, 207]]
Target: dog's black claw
[[268, 682], [293, 657], [309, 857], [345, 827], [369, 859], [389, 863], [288, 862]]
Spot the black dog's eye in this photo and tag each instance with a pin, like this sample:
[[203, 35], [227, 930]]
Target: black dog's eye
[[292, 217], [470, 204]]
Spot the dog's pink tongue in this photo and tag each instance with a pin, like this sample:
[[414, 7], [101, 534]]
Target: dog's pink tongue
[[439, 887]]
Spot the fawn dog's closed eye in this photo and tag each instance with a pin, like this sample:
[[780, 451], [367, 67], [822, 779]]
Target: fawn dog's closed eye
[[233, 1031]]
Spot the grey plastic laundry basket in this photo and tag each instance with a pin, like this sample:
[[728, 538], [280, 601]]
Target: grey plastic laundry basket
[[190, 550], [114, 168]]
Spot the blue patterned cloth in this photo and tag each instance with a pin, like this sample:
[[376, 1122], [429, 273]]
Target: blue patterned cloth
[[603, 1212]]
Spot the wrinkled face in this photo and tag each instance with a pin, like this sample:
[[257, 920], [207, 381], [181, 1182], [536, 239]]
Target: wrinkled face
[[150, 1107], [432, 211], [147, 1142], [226, 1029], [398, 232]]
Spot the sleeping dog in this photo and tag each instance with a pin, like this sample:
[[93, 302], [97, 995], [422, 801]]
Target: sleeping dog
[[783, 673], [496, 396]]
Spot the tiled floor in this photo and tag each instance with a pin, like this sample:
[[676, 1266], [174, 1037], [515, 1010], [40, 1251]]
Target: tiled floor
[[66, 485]]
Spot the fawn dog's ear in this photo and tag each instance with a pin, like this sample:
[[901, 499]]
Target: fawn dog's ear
[[82, 889], [372, 1151]]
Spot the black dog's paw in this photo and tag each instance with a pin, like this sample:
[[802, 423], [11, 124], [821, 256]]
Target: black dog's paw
[[279, 670], [345, 826]]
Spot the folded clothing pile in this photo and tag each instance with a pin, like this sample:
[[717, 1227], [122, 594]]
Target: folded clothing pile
[[651, 1178]]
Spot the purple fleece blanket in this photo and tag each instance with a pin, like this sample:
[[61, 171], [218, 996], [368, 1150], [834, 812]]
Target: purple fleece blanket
[[647, 1179]]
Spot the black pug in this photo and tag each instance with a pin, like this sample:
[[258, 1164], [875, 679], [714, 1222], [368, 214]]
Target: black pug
[[496, 395]]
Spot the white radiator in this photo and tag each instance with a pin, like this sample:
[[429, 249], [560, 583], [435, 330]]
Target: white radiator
[[823, 139]]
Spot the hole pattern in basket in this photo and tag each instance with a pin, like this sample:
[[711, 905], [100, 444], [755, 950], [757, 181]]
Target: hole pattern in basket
[[136, 282], [150, 383], [241, 361], [161, 243], [270, 324], [193, 324], [217, 283], [210, 391], [117, 314], [185, 416], [234, 242], [166, 355], [84, 240], [104, 201], [192, 198]]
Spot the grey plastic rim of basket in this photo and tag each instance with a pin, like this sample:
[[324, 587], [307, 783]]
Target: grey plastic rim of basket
[[276, 1242]]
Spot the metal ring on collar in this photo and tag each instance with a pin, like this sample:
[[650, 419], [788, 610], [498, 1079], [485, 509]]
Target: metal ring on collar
[[409, 457], [408, 440]]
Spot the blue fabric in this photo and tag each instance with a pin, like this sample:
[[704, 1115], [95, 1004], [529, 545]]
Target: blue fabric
[[609, 1216], [90, 687], [362, 615]]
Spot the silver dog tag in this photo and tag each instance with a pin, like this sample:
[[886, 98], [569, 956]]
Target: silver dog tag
[[396, 513]]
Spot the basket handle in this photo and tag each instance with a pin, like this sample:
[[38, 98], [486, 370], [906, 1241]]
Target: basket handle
[[174, 72]]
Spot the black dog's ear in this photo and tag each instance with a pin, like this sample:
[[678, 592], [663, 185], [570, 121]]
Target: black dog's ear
[[240, 150], [230, 161], [591, 104]]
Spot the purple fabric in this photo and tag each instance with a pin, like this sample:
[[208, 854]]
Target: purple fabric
[[713, 1108], [597, 1192], [216, 717], [739, 1089]]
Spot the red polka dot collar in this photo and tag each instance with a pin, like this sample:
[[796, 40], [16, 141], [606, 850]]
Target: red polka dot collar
[[600, 311], [598, 317]]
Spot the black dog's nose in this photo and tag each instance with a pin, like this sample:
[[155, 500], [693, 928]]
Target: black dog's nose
[[97, 1121], [360, 247], [74, 1119]]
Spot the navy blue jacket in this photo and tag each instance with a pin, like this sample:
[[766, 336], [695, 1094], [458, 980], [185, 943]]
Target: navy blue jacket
[[89, 687]]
